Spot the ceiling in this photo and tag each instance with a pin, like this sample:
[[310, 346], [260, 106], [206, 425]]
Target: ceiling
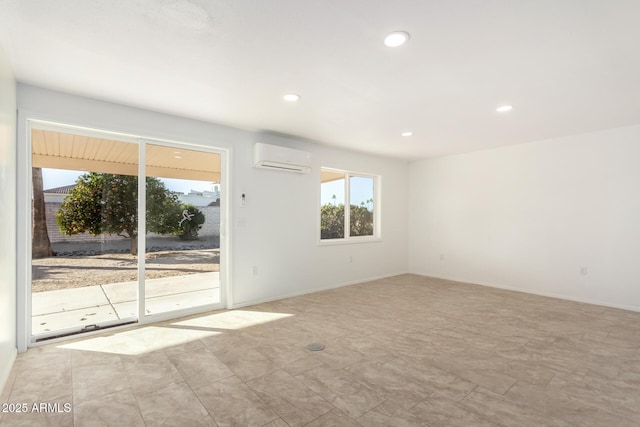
[[566, 66]]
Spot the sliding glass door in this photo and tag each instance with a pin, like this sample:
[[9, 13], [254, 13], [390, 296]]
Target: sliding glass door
[[122, 230]]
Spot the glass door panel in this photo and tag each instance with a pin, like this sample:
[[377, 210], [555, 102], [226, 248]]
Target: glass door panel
[[84, 217], [182, 259]]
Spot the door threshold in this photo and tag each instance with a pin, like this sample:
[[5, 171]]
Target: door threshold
[[87, 329]]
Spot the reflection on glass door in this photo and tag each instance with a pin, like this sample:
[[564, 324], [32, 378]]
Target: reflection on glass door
[[182, 260], [84, 218]]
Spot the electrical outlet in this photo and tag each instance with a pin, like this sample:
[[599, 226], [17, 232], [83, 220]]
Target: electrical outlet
[[441, 257], [350, 259], [584, 271], [254, 270]]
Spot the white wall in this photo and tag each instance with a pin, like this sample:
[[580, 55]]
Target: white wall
[[529, 217], [7, 219], [278, 229], [283, 205]]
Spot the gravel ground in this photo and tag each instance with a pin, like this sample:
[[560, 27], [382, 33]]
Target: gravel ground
[[55, 273]]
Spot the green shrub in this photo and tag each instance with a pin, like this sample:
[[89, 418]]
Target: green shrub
[[190, 222], [332, 221]]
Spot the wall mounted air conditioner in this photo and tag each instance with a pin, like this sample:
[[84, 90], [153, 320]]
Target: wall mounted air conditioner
[[274, 157]]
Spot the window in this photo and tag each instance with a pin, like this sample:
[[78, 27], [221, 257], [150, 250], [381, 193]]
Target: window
[[357, 191]]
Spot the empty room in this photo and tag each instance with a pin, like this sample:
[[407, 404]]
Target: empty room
[[295, 213]]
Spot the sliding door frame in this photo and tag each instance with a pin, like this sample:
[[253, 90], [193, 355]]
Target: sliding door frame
[[27, 122], [142, 225]]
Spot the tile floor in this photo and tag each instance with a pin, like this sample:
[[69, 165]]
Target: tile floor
[[402, 351]]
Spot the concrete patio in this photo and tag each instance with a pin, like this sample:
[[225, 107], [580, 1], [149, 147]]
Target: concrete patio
[[80, 307]]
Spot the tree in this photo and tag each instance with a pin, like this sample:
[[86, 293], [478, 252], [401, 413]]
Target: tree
[[40, 243], [332, 220], [104, 203], [361, 220]]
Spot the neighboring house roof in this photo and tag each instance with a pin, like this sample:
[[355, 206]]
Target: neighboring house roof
[[60, 190]]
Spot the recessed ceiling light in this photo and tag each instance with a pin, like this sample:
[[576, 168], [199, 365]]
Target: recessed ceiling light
[[397, 38], [408, 133], [504, 108], [291, 97], [177, 157]]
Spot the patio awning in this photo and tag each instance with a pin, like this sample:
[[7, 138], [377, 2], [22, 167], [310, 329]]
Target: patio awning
[[327, 175], [58, 150]]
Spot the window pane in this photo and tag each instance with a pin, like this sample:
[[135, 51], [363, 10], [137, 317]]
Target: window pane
[[361, 206], [332, 202]]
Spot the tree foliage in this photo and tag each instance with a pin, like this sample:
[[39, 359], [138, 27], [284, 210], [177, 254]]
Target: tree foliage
[[103, 203], [361, 221], [332, 221]]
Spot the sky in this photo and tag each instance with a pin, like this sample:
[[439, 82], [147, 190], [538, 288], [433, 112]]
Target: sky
[[361, 190], [52, 178]]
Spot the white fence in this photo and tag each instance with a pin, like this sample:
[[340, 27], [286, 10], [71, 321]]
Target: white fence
[[210, 228]]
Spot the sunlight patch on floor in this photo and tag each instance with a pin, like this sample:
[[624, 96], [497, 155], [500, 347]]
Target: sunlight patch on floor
[[139, 341], [235, 319]]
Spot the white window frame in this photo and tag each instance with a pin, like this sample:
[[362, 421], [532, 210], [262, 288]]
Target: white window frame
[[348, 239]]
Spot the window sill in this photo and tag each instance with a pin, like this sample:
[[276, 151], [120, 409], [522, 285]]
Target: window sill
[[350, 241]]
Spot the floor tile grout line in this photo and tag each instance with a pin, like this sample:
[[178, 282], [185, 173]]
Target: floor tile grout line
[[275, 411], [478, 413], [371, 409], [135, 397], [301, 383], [514, 383], [200, 400]]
